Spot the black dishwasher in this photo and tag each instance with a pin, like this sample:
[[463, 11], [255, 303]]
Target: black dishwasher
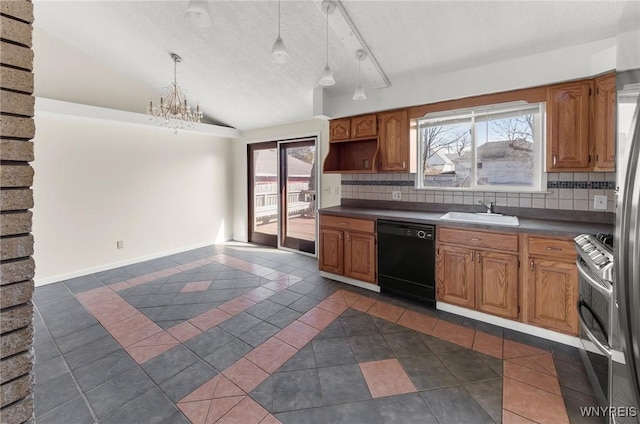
[[406, 259]]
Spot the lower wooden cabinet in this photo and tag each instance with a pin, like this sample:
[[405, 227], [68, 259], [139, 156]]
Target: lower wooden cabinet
[[331, 258], [455, 275], [551, 285], [497, 284], [479, 278], [348, 247]]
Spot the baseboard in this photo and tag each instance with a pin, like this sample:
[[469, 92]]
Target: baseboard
[[347, 280], [86, 271], [512, 325]]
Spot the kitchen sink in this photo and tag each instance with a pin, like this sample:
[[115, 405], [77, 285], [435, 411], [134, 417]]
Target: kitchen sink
[[482, 218]]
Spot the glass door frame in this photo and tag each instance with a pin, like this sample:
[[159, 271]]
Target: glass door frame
[[269, 239], [291, 243], [255, 236]]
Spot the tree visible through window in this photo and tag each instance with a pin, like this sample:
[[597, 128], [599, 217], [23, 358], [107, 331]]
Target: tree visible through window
[[491, 148]]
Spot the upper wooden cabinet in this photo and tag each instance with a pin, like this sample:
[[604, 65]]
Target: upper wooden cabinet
[[604, 123], [568, 126], [394, 141], [353, 128], [340, 129], [370, 143], [364, 126]]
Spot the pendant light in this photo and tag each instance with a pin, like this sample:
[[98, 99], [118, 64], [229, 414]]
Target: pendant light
[[197, 12], [279, 52], [359, 93], [327, 80]]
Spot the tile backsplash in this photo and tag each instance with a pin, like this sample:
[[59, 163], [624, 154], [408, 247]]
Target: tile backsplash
[[567, 191]]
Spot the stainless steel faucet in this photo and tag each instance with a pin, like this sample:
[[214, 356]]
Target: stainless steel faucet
[[489, 206]]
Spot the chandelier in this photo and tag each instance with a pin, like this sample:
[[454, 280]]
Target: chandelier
[[174, 111]]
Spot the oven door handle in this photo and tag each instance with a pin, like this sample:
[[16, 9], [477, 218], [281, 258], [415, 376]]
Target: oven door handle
[[603, 348], [584, 273]]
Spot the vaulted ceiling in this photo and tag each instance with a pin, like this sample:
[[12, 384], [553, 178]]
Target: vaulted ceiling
[[227, 67]]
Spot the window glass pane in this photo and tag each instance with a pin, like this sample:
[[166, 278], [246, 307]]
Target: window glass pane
[[505, 150], [446, 153], [494, 147]]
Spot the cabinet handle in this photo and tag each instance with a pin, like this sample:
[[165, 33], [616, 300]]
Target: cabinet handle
[[555, 161], [531, 265], [355, 130], [340, 236], [471, 256], [475, 239], [557, 249], [348, 237], [478, 257], [344, 223], [404, 164]]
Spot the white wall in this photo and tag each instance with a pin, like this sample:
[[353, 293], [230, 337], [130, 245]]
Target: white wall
[[328, 189], [99, 181]]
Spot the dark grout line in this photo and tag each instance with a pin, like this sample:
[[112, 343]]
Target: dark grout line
[[66, 364]]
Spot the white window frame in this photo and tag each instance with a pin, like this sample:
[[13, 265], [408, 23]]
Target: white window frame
[[539, 176]]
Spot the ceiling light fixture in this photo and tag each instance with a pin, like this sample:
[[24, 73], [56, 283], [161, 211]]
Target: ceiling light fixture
[[174, 111], [327, 80], [279, 52], [359, 93], [198, 13]]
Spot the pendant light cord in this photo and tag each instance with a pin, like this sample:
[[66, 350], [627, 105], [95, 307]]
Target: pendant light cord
[[327, 35], [278, 18]]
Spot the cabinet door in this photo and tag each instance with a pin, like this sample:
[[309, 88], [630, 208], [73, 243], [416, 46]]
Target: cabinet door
[[340, 129], [568, 129], [394, 141], [360, 256], [604, 124], [455, 275], [551, 294], [331, 251], [497, 284], [364, 126]]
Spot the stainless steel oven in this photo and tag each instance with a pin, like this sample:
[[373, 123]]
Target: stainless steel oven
[[595, 267]]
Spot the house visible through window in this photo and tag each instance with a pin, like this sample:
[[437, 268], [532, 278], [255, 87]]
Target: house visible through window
[[491, 148]]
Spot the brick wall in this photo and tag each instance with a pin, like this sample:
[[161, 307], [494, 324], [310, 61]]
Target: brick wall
[[16, 198]]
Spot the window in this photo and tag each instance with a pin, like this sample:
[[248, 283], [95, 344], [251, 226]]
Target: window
[[490, 148]]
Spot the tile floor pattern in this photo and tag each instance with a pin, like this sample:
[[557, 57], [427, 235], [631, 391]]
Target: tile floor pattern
[[246, 334]]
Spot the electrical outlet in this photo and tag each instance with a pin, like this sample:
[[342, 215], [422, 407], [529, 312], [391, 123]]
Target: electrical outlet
[[327, 190], [396, 195], [600, 203], [337, 190], [119, 244]]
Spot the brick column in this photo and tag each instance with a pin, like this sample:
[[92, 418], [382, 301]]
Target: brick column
[[17, 128]]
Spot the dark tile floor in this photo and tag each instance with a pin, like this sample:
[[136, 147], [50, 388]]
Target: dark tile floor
[[246, 334]]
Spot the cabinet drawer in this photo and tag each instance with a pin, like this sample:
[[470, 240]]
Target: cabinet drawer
[[557, 248], [352, 224], [495, 241]]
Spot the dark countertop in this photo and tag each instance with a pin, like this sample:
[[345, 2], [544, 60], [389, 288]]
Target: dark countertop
[[529, 225]]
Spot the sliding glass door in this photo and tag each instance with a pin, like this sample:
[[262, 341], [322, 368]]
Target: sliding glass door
[[282, 194], [298, 188], [264, 202]]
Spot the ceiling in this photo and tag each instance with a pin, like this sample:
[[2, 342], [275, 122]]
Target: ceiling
[[228, 70]]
